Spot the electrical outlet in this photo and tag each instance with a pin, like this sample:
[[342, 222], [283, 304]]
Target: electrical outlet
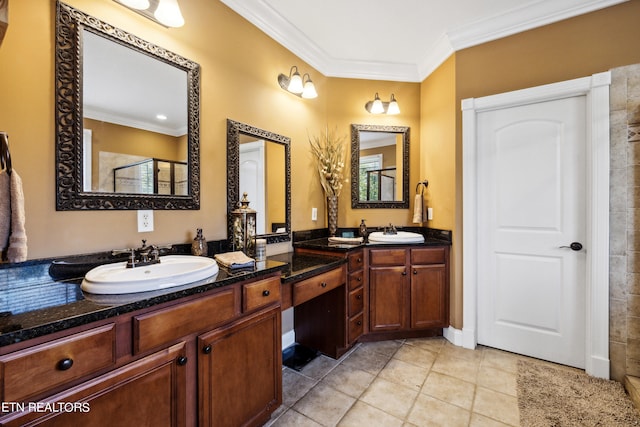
[[145, 221], [314, 214]]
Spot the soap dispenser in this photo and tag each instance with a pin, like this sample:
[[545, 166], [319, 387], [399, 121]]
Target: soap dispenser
[[363, 230], [199, 245]]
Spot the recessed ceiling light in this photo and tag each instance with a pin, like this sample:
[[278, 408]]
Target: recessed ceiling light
[[161, 117]]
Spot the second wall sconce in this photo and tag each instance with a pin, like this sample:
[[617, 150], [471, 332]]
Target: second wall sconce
[[377, 106], [299, 86], [164, 12]]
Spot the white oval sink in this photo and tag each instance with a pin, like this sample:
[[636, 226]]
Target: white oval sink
[[401, 237], [173, 270]]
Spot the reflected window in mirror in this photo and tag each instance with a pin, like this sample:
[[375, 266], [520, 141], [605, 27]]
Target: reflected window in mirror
[[127, 119], [379, 166], [259, 164]]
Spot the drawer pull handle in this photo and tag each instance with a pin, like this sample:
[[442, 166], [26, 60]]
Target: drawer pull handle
[[359, 259], [206, 349], [266, 293], [359, 279], [65, 364], [323, 284], [359, 323], [182, 360], [358, 296]]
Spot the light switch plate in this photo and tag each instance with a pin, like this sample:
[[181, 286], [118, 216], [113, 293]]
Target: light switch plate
[[145, 221], [314, 214]]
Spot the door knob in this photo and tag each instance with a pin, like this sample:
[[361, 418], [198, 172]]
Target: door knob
[[574, 246]]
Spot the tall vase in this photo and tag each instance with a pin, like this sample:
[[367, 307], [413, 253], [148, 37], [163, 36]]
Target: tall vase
[[332, 214]]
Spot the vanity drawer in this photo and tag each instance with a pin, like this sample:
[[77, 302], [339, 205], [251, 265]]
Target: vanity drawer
[[428, 256], [35, 370], [152, 330], [356, 327], [356, 260], [260, 293], [312, 287], [384, 257], [356, 302], [355, 279]]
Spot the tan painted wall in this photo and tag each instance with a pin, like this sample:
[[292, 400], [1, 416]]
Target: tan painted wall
[[573, 48]]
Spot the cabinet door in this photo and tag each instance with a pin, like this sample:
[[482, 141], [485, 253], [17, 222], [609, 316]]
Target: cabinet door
[[428, 296], [387, 298], [148, 392], [240, 371]]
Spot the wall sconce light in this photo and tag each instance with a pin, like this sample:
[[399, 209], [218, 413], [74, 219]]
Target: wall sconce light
[[378, 107], [299, 86], [164, 12]]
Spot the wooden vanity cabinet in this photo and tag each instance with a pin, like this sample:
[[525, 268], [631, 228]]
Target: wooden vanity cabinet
[[408, 289], [356, 278], [240, 371], [149, 367]]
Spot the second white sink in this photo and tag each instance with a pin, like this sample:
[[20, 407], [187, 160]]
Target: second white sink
[[173, 270], [400, 237]]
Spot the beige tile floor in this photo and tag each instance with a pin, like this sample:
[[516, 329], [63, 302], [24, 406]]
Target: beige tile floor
[[413, 382]]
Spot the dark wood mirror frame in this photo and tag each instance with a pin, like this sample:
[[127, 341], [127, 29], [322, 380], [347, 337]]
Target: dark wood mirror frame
[[355, 167], [70, 23], [234, 129]]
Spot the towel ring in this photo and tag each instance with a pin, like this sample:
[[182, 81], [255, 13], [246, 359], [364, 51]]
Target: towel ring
[[424, 185]]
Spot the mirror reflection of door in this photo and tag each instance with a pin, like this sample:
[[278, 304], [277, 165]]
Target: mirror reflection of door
[[380, 174], [252, 179]]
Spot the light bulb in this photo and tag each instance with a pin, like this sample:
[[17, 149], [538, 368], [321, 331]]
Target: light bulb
[[309, 91], [168, 13], [295, 82], [393, 107], [377, 107]]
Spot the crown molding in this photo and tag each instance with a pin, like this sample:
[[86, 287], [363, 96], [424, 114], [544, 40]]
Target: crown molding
[[533, 15], [522, 19]]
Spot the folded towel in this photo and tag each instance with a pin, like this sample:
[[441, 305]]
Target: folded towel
[[419, 212], [17, 251], [234, 260], [13, 238], [348, 240]]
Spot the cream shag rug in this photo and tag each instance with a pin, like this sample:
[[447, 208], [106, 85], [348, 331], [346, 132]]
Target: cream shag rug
[[557, 397]]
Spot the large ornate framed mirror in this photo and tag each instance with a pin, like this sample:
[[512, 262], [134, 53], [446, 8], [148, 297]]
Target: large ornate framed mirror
[[259, 163], [379, 166], [127, 119]]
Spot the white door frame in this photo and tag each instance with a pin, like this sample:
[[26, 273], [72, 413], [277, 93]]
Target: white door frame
[[596, 90]]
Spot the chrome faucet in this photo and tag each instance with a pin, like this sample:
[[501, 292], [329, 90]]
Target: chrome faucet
[[144, 255]]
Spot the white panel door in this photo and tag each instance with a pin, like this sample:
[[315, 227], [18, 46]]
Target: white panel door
[[531, 203], [252, 180]]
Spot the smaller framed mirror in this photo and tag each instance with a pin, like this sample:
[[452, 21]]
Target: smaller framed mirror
[[379, 167], [259, 164]]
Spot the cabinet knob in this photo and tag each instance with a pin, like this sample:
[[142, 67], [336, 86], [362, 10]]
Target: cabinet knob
[[65, 364], [415, 271], [182, 360], [266, 293], [359, 279], [323, 284], [359, 259], [207, 349], [359, 322], [358, 296], [404, 273]]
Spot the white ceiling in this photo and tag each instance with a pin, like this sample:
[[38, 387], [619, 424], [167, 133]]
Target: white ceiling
[[400, 40]]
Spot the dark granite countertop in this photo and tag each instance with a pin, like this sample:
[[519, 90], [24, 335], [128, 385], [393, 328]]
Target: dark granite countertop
[[33, 304], [302, 266], [324, 245]]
